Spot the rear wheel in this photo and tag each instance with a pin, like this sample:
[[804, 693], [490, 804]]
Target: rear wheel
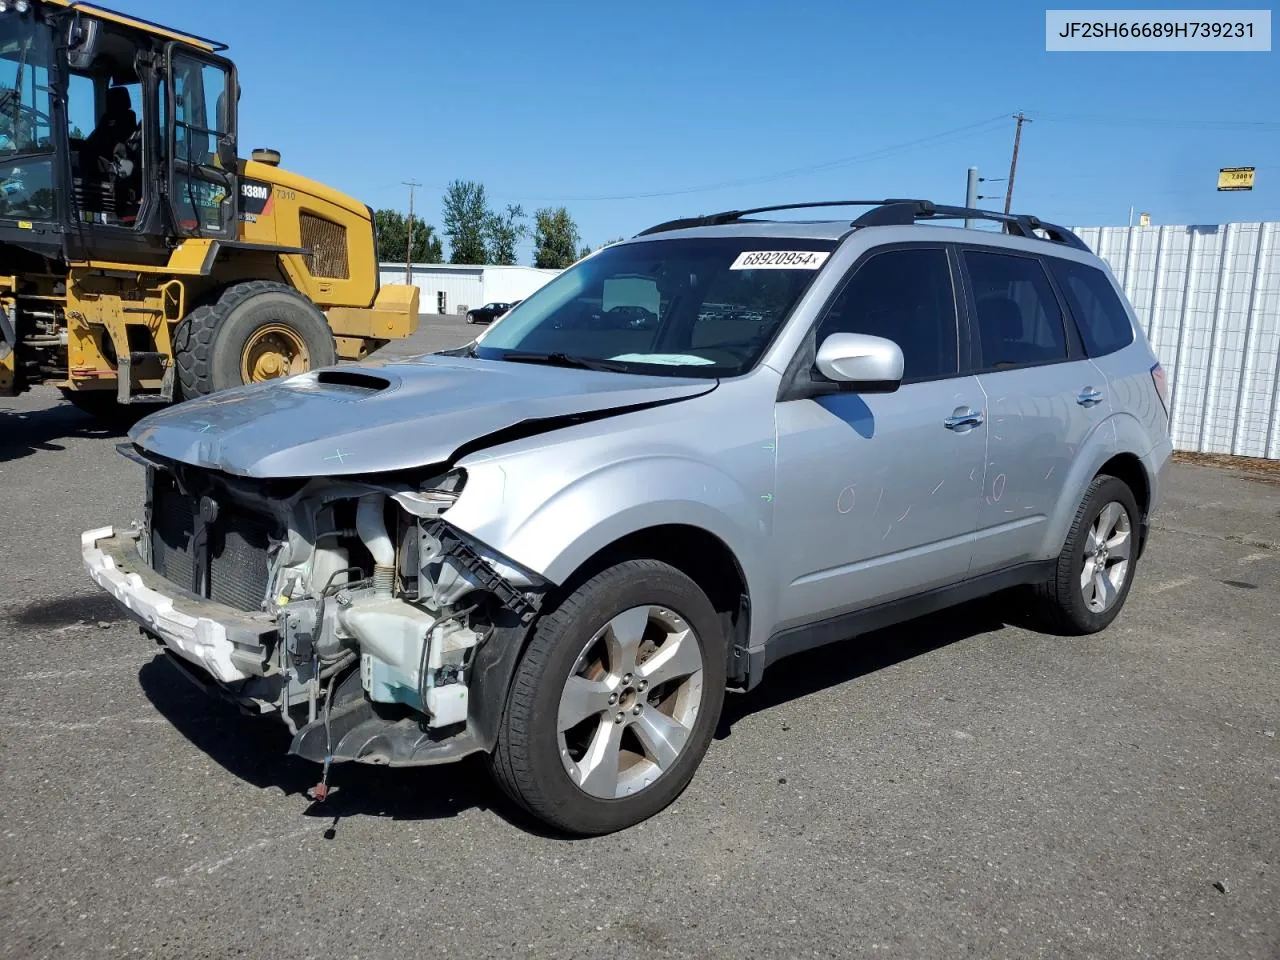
[[615, 700], [254, 331], [1097, 563]]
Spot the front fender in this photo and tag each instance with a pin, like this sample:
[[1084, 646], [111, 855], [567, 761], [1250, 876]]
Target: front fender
[[552, 529]]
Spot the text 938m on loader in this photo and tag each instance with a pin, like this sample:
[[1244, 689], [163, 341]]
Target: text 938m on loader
[[141, 260]]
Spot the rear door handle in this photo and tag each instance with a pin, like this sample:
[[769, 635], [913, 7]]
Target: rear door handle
[[964, 419], [1089, 397]]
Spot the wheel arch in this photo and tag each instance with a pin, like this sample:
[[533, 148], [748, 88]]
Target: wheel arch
[[1113, 448]]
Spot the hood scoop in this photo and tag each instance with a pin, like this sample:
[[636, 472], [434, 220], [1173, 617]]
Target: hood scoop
[[352, 380], [341, 383]]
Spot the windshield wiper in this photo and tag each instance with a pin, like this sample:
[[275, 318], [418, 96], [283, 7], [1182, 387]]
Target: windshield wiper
[[565, 360]]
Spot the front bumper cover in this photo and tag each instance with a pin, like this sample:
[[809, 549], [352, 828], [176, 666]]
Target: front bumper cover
[[228, 643]]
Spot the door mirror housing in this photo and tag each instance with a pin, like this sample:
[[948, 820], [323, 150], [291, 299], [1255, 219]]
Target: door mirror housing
[[82, 42], [857, 361]]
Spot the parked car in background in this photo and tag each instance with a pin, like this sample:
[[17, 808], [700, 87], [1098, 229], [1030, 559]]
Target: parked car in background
[[489, 312], [559, 544]]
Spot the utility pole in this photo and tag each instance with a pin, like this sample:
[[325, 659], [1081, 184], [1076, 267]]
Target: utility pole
[[408, 252], [971, 195], [1013, 164]]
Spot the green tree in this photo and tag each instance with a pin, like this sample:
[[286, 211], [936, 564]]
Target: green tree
[[393, 235], [584, 251], [555, 238], [466, 221], [503, 232], [610, 243]]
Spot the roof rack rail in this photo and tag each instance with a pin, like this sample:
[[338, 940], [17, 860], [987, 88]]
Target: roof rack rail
[[733, 216], [895, 212]]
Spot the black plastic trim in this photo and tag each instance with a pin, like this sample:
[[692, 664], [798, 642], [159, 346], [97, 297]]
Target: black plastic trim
[[846, 626]]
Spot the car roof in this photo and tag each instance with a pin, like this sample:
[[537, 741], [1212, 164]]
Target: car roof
[[881, 216]]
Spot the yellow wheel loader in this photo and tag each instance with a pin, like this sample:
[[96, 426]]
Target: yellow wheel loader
[[141, 260]]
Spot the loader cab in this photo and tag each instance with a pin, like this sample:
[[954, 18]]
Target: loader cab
[[117, 137]]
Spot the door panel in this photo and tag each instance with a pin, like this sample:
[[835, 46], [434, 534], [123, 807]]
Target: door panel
[[201, 139], [1036, 424], [876, 497], [877, 493], [1043, 399]]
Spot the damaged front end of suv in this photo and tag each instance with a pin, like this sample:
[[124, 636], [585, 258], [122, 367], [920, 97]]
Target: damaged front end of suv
[[334, 548], [350, 607]]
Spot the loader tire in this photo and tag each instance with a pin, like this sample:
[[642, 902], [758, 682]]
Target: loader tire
[[256, 330]]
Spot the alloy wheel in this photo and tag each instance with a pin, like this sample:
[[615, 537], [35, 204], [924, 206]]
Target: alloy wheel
[[629, 704], [1107, 549]]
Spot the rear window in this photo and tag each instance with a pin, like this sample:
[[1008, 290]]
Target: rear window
[[1018, 318], [703, 307], [1102, 319]]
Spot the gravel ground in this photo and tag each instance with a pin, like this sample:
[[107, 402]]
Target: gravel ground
[[956, 786]]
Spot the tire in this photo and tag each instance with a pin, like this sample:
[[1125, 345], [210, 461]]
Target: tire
[[533, 758], [211, 339], [471, 318], [1063, 601], [103, 406]]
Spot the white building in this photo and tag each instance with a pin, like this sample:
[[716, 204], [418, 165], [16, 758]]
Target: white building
[[456, 287]]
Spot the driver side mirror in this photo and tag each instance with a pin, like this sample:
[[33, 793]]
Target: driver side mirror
[[227, 153], [857, 361]]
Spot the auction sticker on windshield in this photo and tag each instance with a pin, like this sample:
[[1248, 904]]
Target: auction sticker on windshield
[[780, 260]]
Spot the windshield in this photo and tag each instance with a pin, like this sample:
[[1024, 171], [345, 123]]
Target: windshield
[[26, 136], [705, 307], [24, 86]]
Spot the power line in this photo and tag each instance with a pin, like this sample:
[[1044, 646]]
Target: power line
[[1177, 122], [877, 154]]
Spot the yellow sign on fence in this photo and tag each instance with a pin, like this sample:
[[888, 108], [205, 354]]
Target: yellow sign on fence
[[1235, 178]]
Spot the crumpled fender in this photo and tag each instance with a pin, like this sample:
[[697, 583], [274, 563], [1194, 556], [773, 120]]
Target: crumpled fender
[[553, 529]]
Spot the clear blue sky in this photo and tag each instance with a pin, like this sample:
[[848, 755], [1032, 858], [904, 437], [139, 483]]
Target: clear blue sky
[[548, 103]]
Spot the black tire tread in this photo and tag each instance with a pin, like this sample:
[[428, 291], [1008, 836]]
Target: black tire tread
[[194, 337], [1052, 597], [510, 762]]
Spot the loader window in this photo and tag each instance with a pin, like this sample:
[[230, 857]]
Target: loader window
[[203, 125], [24, 87], [26, 138]]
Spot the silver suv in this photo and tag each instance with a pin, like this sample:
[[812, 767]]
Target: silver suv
[[722, 442]]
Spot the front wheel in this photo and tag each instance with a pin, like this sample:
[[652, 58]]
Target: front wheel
[[614, 702]]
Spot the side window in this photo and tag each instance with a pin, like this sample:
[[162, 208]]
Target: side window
[[200, 110], [82, 112], [1019, 322], [904, 296], [1104, 323]]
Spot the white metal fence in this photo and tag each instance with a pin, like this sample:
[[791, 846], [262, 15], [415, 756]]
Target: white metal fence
[[1209, 300]]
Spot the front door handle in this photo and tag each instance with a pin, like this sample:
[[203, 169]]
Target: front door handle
[[963, 419], [1089, 397]]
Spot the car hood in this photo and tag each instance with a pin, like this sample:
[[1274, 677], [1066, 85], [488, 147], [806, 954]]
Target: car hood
[[377, 417]]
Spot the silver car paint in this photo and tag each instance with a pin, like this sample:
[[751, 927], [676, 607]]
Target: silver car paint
[[768, 479], [300, 426]]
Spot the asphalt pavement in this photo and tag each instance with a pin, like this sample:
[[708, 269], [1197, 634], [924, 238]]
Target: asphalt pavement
[[958, 786]]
